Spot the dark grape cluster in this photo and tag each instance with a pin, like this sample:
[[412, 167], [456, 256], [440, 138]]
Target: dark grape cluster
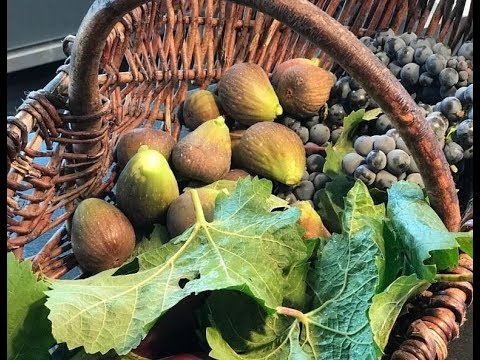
[[426, 68]]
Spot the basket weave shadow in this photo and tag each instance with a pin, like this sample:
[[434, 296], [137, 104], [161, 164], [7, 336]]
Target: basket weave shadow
[[60, 143]]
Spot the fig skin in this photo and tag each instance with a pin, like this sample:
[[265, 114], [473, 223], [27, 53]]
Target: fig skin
[[146, 187], [247, 96], [236, 174], [205, 153], [132, 140], [181, 213], [310, 221], [102, 236], [303, 89], [199, 107], [281, 68], [273, 151]]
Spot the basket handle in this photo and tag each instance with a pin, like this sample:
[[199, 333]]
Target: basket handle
[[323, 31]]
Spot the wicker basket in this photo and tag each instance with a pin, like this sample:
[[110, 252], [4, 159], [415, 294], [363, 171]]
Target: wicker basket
[[131, 64]]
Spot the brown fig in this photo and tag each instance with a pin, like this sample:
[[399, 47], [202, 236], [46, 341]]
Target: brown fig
[[280, 68], [199, 107], [303, 89], [235, 174]]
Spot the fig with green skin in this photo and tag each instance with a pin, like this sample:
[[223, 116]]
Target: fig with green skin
[[199, 107], [205, 153], [303, 89], [272, 150], [131, 141], [102, 237], [281, 68], [310, 221], [181, 213], [146, 187], [247, 96]]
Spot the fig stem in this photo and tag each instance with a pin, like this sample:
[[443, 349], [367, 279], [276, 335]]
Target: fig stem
[[297, 314], [200, 216], [454, 277]]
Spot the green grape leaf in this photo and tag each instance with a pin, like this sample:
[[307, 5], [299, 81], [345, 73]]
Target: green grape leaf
[[465, 242], [426, 242], [246, 248], [29, 332], [387, 305], [335, 153], [343, 280]]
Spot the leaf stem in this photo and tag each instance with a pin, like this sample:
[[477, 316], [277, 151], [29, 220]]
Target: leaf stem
[[297, 314], [454, 277], [198, 207]]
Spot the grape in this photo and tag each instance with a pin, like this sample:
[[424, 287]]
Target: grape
[[452, 63], [304, 190], [319, 134], [384, 180], [315, 163], [321, 180], [354, 85], [453, 152], [336, 114], [448, 77], [470, 76], [398, 161], [383, 57], [431, 41], [460, 94], [469, 94], [464, 134], [383, 36], [393, 133], [446, 91], [438, 124], [383, 124], [341, 89], [312, 175], [413, 166], [365, 174], [405, 55], [468, 154], [384, 143], [461, 83], [425, 79], [303, 134], [314, 120], [368, 42], [461, 58], [358, 98], [435, 64], [408, 37], [305, 175], [466, 50], [416, 178], [395, 69], [336, 134], [296, 125], [363, 145], [441, 49], [290, 198], [462, 75], [288, 121], [376, 160], [392, 45], [462, 66], [351, 161], [317, 196], [421, 54], [418, 42], [451, 107], [410, 74], [470, 113]]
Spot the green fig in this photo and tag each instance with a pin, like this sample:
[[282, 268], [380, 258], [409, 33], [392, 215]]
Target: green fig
[[247, 96], [272, 150], [205, 153], [146, 187], [199, 107]]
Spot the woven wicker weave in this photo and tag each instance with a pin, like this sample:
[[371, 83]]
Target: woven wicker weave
[[131, 65]]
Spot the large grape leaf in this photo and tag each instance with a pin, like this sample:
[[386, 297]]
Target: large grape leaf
[[29, 333], [245, 248], [343, 280], [427, 244], [387, 305], [335, 153]]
